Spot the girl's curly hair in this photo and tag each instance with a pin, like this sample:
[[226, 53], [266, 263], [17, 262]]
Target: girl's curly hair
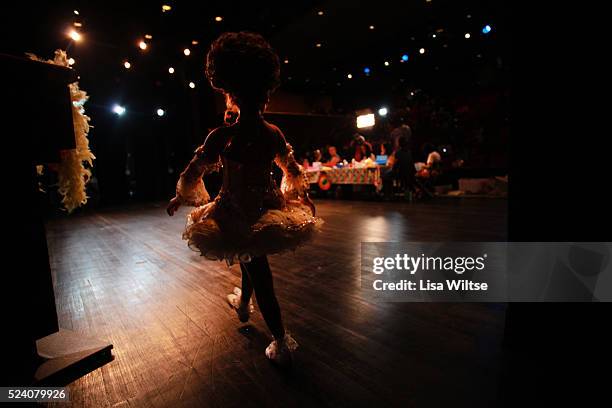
[[243, 65]]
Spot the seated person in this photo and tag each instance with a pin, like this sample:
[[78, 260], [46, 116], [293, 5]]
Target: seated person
[[334, 158], [311, 157], [383, 150], [433, 163], [433, 159], [363, 149]]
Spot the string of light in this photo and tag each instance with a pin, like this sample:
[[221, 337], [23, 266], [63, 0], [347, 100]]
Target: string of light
[[144, 45]]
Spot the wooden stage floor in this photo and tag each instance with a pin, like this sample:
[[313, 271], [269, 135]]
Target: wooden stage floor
[[126, 276]]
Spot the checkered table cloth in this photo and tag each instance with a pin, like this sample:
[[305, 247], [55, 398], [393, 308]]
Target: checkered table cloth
[[348, 175]]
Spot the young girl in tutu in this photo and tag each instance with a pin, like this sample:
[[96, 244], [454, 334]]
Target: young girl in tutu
[[251, 217]]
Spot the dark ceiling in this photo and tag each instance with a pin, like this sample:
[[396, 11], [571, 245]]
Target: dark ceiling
[[111, 31]]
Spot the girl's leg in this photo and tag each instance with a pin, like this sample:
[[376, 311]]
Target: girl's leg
[[261, 279], [247, 287]]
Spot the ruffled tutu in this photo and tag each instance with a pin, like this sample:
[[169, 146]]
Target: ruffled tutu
[[223, 232]]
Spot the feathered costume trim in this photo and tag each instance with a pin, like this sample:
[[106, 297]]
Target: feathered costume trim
[[72, 173]]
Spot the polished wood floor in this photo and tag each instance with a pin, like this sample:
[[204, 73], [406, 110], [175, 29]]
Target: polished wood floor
[[126, 276]]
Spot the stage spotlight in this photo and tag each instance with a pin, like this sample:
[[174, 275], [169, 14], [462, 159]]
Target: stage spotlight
[[320, 12], [364, 121], [127, 65], [187, 51], [383, 111], [286, 61], [422, 51], [166, 7], [76, 12], [118, 110], [71, 61], [372, 27], [142, 45], [386, 63], [486, 29], [366, 71], [350, 76], [318, 45], [148, 36], [161, 112], [171, 70], [77, 24], [192, 85], [218, 19], [467, 35], [405, 57], [76, 37]]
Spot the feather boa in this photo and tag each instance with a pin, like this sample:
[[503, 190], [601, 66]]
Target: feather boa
[[72, 173]]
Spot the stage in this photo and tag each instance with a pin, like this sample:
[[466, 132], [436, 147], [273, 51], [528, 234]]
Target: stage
[[125, 275]]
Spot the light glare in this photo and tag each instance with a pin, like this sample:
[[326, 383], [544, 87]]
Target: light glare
[[75, 35], [364, 121], [118, 110]]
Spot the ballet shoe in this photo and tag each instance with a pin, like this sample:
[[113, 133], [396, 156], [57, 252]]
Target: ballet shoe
[[243, 311], [281, 351]]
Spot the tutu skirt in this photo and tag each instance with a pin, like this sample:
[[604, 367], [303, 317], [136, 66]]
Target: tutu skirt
[[220, 231]]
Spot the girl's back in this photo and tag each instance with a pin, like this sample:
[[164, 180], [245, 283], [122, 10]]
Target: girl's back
[[252, 143], [251, 217]]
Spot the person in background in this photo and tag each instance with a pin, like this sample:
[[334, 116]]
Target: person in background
[[382, 149], [401, 130], [334, 158], [428, 173], [363, 149], [433, 157], [401, 168]]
